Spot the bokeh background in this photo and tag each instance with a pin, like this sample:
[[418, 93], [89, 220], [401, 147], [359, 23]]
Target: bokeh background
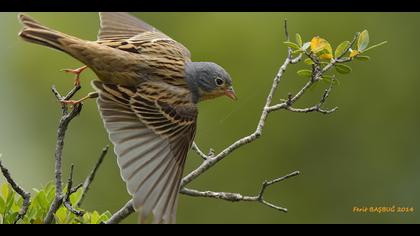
[[366, 154]]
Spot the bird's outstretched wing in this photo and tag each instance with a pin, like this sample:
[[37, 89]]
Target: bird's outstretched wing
[[126, 32], [152, 128]]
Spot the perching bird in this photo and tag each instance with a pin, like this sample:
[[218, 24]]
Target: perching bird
[[148, 90]]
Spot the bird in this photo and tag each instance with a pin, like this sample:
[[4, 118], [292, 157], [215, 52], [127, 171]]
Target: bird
[[147, 92]]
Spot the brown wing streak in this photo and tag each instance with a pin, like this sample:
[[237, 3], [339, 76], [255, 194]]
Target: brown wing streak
[[150, 43], [169, 112]]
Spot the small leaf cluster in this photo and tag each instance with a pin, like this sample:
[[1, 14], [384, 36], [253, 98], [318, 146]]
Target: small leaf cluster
[[10, 204], [319, 52]]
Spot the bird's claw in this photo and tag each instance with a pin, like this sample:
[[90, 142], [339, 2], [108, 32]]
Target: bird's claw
[[76, 72], [70, 102]]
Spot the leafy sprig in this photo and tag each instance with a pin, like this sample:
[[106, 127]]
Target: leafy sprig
[[319, 51]]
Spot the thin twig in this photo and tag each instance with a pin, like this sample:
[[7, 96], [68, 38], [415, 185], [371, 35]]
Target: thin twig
[[26, 196], [286, 30], [317, 107], [236, 197], [196, 149], [65, 120], [61, 98], [121, 214], [348, 47], [91, 176], [70, 190]]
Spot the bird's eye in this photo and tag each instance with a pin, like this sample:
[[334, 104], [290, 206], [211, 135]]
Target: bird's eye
[[219, 81]]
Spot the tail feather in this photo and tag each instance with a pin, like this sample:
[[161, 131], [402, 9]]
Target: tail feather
[[35, 32], [28, 22], [42, 37]]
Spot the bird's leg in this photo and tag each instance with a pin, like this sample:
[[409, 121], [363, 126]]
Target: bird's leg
[[77, 72], [74, 102]]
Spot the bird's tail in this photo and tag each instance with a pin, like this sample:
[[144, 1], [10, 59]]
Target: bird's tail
[[34, 32]]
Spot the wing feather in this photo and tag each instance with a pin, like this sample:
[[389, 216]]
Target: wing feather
[[125, 32], [151, 139], [120, 25]]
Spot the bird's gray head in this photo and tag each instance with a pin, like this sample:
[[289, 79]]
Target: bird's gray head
[[208, 80]]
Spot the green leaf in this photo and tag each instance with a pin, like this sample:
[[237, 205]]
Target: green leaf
[[31, 213], [343, 69], [292, 45], [375, 46], [49, 187], [1, 219], [5, 190], [17, 204], [339, 51], [86, 217], [309, 61], [75, 197], [107, 214], [42, 200], [363, 41], [10, 200], [61, 215], [50, 192], [2, 205], [304, 73], [299, 40], [362, 58], [104, 217], [10, 218], [94, 218]]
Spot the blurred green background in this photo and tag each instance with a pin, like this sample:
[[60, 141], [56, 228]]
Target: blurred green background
[[365, 154]]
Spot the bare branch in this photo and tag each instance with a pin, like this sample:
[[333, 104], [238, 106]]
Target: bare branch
[[236, 197], [92, 174], [26, 196], [128, 209], [196, 149], [65, 120], [70, 190], [317, 107], [121, 214]]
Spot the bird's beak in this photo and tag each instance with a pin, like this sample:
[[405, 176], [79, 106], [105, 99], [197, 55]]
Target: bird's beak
[[231, 93]]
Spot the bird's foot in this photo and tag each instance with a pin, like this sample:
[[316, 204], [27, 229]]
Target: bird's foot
[[77, 72], [70, 102], [75, 102]]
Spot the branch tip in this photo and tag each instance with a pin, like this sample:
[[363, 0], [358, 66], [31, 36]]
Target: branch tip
[[71, 190], [89, 179], [26, 196], [286, 31]]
